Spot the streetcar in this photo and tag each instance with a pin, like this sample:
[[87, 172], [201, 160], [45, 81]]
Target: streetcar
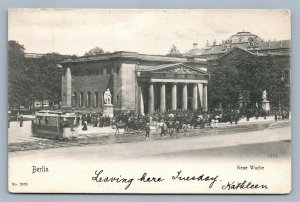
[[55, 125]]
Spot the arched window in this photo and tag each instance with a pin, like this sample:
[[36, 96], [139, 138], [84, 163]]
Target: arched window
[[96, 99], [81, 99], [88, 99]]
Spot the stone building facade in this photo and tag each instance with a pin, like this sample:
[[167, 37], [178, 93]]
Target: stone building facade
[[138, 82], [146, 83], [246, 47]]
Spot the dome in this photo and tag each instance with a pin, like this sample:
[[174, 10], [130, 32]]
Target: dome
[[244, 37]]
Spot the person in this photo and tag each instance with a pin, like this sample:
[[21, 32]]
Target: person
[[147, 129], [236, 117], [84, 126], [21, 120], [162, 129]]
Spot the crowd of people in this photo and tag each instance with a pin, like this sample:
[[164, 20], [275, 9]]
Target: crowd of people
[[177, 120]]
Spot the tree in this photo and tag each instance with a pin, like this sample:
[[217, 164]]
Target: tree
[[224, 86], [174, 52], [33, 79], [249, 76], [46, 77], [94, 51], [17, 83]]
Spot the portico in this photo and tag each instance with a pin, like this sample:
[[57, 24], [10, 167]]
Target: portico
[[172, 87]]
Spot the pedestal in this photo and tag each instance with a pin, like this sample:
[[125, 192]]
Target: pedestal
[[108, 110], [265, 105]]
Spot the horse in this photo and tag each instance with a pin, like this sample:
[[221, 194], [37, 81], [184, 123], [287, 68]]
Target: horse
[[121, 125]]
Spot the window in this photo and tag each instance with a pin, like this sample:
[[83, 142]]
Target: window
[[81, 99], [88, 99], [46, 120], [74, 99], [96, 101]]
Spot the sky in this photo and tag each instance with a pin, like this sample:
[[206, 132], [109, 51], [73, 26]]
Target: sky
[[75, 31]]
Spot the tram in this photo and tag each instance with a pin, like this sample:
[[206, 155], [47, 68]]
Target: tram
[[55, 125]]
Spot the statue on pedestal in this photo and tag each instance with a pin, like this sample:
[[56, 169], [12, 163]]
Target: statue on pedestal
[[265, 102], [264, 96], [108, 108], [107, 97]]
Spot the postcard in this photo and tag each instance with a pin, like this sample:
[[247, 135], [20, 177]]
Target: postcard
[[185, 101]]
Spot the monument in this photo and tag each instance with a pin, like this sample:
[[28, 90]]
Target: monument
[[108, 108], [265, 103]]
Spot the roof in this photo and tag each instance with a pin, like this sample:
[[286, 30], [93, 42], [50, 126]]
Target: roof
[[133, 55], [262, 46], [234, 49], [243, 37], [244, 40]]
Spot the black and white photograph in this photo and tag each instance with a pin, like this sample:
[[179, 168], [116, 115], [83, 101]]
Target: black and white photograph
[[149, 101]]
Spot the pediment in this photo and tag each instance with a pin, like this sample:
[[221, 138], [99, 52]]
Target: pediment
[[235, 53], [178, 68]]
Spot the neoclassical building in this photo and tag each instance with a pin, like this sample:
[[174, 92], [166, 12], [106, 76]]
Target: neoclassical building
[[138, 82], [146, 83]]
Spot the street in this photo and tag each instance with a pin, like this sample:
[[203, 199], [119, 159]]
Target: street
[[254, 144]]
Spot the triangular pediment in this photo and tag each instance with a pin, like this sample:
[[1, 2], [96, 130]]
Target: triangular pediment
[[174, 68], [236, 52]]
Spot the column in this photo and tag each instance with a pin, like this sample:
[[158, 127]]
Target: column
[[163, 97], [195, 97], [141, 99], [151, 99], [184, 97], [68, 78], [174, 96], [204, 96], [200, 90]]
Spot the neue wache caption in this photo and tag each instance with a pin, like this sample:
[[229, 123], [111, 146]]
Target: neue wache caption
[[102, 178]]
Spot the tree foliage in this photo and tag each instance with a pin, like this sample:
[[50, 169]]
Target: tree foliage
[[32, 79], [94, 51], [174, 52], [250, 77], [16, 68]]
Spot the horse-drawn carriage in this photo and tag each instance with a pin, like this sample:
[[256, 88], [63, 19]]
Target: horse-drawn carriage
[[130, 125], [201, 121]]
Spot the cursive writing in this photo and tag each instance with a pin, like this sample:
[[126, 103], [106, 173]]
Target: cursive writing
[[243, 185], [120, 179], [201, 177]]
